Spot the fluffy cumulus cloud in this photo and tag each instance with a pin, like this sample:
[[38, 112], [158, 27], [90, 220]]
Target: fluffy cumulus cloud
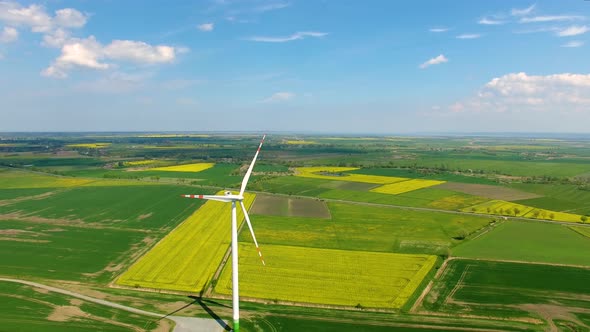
[[434, 61], [519, 92], [38, 19], [206, 27], [279, 96], [89, 53], [295, 36], [8, 35]]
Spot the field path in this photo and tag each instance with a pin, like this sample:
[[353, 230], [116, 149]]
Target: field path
[[183, 324]]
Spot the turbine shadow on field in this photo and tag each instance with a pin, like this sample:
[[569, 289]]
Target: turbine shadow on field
[[211, 313]]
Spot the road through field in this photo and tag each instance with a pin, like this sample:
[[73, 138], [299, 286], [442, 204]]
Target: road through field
[[183, 324]]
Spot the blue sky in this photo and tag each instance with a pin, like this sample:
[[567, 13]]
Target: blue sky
[[287, 65]]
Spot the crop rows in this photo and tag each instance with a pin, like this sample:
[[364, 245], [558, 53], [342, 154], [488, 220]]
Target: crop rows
[[326, 276]]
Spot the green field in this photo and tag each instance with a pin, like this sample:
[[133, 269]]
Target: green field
[[25, 308], [323, 276], [368, 228], [539, 293], [529, 242]]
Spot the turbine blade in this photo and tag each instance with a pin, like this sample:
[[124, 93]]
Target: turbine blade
[[252, 231], [247, 176], [209, 197]]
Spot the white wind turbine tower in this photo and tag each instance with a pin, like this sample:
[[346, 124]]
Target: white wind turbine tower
[[233, 199]]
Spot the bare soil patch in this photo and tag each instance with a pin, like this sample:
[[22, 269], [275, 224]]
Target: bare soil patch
[[144, 216], [489, 191], [290, 207]]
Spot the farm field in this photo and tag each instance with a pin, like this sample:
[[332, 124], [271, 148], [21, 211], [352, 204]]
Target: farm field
[[185, 168], [537, 242], [290, 207], [25, 308], [504, 208], [389, 209], [544, 294], [488, 191], [203, 237], [323, 276], [340, 174], [368, 228], [405, 186]]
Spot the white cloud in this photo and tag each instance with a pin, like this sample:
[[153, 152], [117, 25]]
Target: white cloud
[[518, 92], [270, 7], [295, 36], [138, 51], [468, 36], [89, 53], [434, 61], [490, 21], [573, 43], [8, 35], [574, 30], [523, 11], [441, 29], [279, 96], [56, 39], [206, 27], [36, 17], [70, 18], [551, 18], [33, 16]]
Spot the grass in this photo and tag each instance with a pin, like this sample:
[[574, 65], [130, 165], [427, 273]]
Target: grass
[[148, 207], [529, 242], [417, 174], [64, 252], [290, 207], [368, 228], [186, 259], [515, 290], [24, 308], [339, 173], [406, 186], [359, 192], [557, 197], [185, 168], [325, 276], [504, 208], [22, 180]]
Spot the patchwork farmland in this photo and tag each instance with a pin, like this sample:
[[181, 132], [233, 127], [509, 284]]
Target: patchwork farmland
[[352, 238]]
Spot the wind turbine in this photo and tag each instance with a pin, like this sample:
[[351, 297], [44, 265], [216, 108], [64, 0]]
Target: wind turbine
[[233, 199]]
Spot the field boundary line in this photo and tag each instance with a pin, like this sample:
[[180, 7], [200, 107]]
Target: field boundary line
[[586, 267]]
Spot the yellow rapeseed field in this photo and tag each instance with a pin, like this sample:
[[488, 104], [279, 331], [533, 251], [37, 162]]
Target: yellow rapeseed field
[[327, 276], [316, 173], [186, 259], [90, 145], [140, 162], [504, 208], [185, 168], [405, 186]]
